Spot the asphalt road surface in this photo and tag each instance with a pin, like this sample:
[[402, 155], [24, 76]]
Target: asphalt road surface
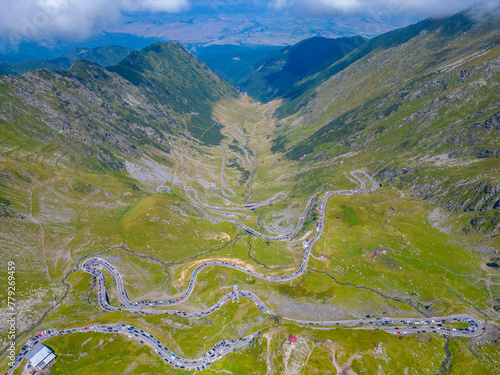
[[216, 352], [236, 134], [393, 325]]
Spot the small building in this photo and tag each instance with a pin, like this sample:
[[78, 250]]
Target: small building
[[292, 339], [40, 356]]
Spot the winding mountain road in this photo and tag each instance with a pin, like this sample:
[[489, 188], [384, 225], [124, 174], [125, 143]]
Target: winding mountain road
[[236, 134], [391, 325], [94, 266]]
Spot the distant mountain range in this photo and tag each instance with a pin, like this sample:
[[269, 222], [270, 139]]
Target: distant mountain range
[[233, 62], [104, 56]]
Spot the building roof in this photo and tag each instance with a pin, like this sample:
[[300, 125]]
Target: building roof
[[35, 350], [39, 354], [292, 338], [46, 361]]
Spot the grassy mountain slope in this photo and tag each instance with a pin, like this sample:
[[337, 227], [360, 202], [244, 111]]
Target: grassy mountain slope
[[430, 104], [170, 76], [303, 91], [294, 63], [102, 118], [104, 56], [96, 116], [234, 63], [81, 153]]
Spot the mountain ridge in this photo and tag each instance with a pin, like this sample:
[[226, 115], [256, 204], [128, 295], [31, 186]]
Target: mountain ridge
[[295, 63], [104, 56], [182, 83], [299, 93], [418, 104], [99, 113]]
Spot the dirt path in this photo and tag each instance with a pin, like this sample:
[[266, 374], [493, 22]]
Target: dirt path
[[269, 336], [342, 369]]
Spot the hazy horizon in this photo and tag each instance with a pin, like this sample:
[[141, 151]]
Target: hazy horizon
[[45, 28]]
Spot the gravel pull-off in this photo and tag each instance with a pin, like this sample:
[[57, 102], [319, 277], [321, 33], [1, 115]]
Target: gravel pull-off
[[149, 172]]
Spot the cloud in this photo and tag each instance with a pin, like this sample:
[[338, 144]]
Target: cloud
[[485, 9], [48, 20], [423, 8]]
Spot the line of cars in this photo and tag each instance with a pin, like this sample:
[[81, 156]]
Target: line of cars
[[89, 265], [216, 352], [383, 322]]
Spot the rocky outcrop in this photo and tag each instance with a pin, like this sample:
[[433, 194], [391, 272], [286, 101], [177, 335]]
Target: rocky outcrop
[[484, 196], [489, 153], [491, 123], [486, 223]]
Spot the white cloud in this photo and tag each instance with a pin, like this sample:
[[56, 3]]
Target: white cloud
[[155, 5], [396, 7], [485, 9], [46, 20]]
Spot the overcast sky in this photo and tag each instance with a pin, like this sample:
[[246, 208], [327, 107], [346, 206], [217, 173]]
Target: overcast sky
[[423, 8], [42, 20]]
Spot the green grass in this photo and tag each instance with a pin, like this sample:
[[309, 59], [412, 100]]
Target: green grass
[[417, 259], [473, 359], [155, 239], [456, 325], [92, 353], [349, 216], [170, 230]]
